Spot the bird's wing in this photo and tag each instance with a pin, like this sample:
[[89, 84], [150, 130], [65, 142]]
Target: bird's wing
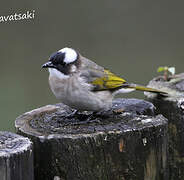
[[100, 78], [108, 81]]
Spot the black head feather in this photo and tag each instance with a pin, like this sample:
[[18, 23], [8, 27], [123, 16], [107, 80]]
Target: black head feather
[[59, 61]]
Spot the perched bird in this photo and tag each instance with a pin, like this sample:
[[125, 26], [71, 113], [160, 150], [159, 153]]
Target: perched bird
[[82, 84]]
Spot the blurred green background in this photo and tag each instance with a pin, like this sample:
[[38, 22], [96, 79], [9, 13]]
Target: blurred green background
[[131, 38]]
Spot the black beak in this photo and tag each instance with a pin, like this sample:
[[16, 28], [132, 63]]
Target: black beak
[[48, 65]]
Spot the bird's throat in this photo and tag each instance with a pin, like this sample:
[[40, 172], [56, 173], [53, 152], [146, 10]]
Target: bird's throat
[[57, 74]]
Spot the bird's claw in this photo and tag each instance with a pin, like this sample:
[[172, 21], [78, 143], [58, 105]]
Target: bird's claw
[[118, 111]]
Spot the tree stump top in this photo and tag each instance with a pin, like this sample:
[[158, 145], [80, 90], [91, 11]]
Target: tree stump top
[[128, 144], [11, 143], [174, 87], [54, 120]]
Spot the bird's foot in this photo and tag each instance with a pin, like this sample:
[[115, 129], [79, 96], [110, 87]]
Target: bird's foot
[[108, 113], [72, 114], [82, 119], [118, 111]]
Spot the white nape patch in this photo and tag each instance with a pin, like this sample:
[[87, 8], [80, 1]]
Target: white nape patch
[[58, 74], [70, 55], [123, 90], [73, 68]]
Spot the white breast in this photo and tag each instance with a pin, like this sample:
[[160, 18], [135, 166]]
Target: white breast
[[74, 92]]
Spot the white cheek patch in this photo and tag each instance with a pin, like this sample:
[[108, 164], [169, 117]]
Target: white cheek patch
[[70, 55], [57, 74]]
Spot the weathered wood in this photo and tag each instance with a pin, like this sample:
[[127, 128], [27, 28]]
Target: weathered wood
[[172, 107], [126, 146], [16, 157]]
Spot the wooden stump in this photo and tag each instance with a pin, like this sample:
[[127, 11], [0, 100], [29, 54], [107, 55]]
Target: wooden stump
[[127, 145], [172, 107], [16, 157]]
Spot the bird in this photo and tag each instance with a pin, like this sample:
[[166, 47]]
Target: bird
[[82, 84]]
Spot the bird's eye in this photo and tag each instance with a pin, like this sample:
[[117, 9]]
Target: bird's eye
[[64, 64]]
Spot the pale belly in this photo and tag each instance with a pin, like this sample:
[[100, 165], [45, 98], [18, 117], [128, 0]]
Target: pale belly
[[79, 97]]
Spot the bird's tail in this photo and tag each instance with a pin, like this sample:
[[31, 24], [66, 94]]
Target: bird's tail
[[144, 88]]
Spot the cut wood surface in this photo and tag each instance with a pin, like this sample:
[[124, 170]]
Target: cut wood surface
[[128, 144], [16, 157]]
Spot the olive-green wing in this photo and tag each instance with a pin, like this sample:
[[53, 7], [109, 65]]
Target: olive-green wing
[[108, 81], [100, 78]]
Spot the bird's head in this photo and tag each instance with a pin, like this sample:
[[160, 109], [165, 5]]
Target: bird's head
[[65, 61]]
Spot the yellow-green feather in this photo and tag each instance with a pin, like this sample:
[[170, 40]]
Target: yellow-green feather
[[108, 81], [111, 81], [144, 88]]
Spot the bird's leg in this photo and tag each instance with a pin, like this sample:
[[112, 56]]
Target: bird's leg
[[93, 117], [90, 120], [84, 119], [71, 115]]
